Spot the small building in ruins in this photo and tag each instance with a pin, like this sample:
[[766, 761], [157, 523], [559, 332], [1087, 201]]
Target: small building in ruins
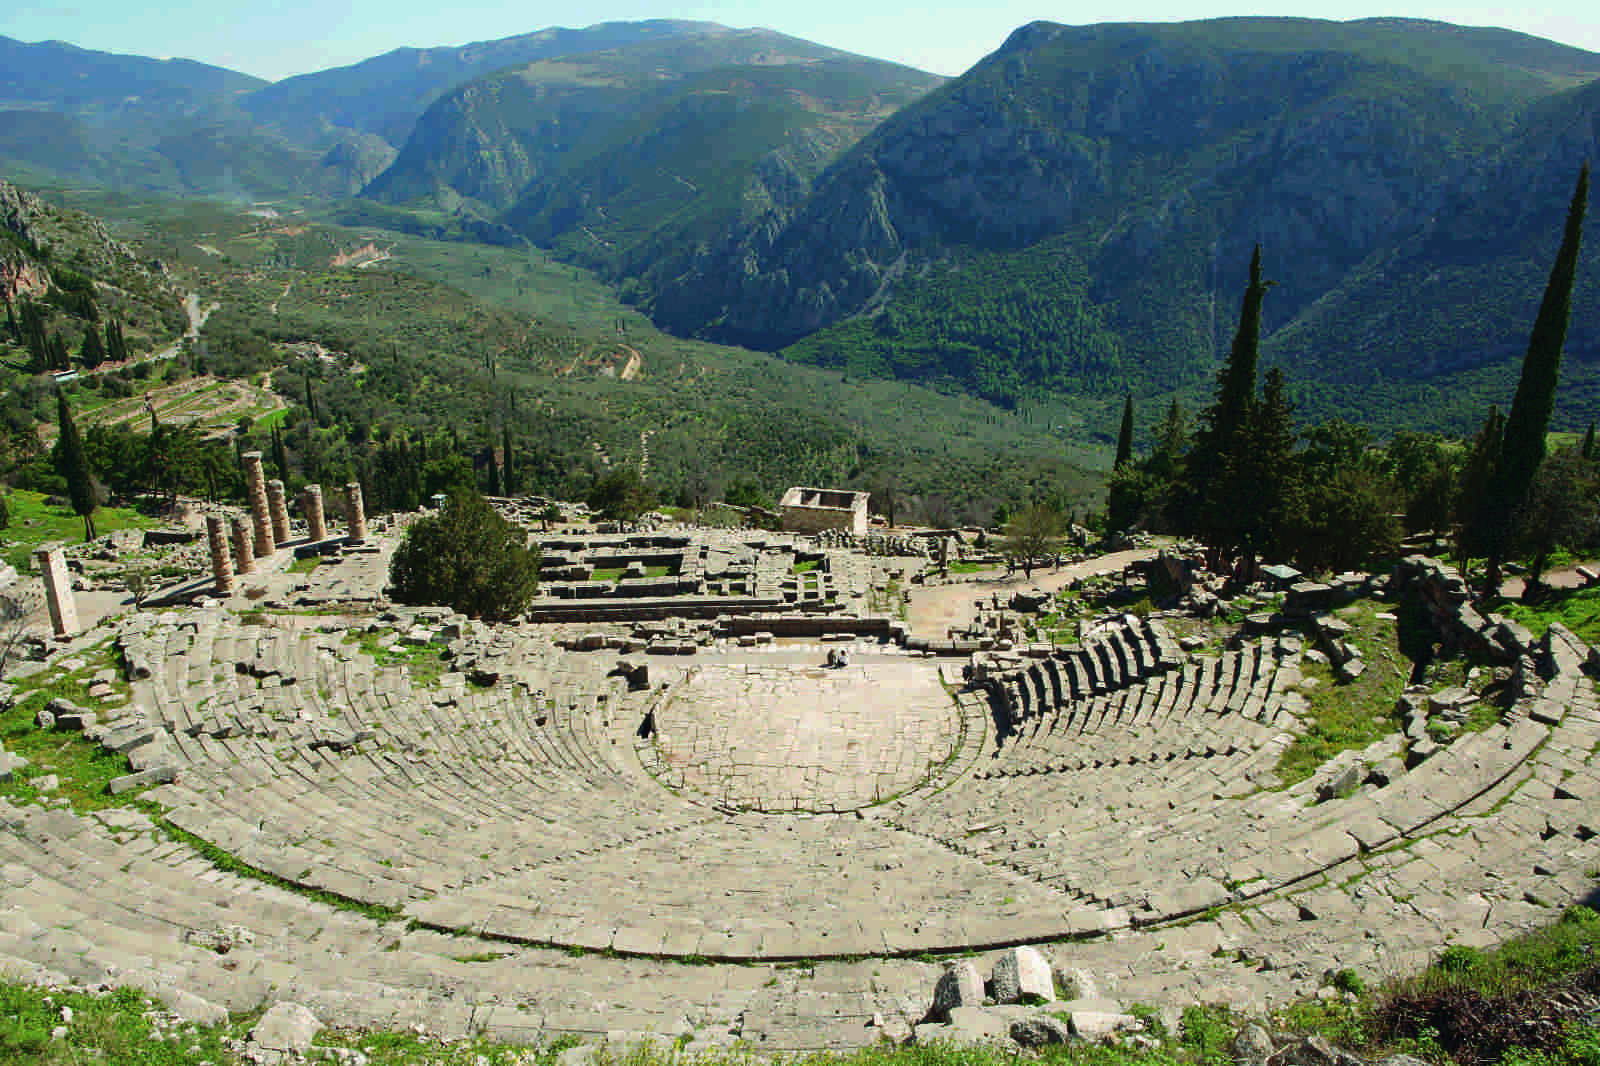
[[814, 510]]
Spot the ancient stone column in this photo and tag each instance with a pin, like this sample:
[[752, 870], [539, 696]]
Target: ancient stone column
[[355, 513], [311, 502], [243, 551], [221, 558], [260, 516], [58, 591], [278, 506]]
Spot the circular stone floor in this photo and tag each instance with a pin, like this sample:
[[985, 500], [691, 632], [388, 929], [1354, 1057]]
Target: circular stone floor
[[773, 738]]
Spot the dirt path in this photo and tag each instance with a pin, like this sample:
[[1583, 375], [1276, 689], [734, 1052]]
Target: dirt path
[[1565, 578], [284, 295], [934, 609]]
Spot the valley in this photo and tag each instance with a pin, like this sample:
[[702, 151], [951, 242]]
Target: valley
[[1064, 223]]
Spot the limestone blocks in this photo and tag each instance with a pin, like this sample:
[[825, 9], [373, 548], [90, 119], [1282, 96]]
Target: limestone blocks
[[1018, 1006], [316, 523], [221, 558], [355, 513], [260, 511], [58, 591], [278, 509], [243, 547]]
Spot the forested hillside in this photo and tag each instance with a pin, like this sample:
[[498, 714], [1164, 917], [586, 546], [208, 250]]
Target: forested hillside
[[1155, 156], [412, 365]]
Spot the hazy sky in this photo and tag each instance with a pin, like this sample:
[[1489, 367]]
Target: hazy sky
[[276, 38]]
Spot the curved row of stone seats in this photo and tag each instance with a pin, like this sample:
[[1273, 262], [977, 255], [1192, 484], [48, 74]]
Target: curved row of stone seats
[[95, 903], [1243, 696], [1117, 654], [106, 899], [1117, 833], [351, 780]]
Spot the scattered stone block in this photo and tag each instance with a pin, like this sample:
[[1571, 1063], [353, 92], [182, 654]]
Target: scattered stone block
[[1097, 1025], [1076, 983], [287, 1028], [1351, 669], [125, 737], [1021, 975], [959, 986], [1040, 1030], [156, 775], [1252, 1047], [10, 763]]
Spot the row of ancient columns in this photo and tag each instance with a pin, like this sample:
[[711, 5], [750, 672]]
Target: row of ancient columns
[[268, 526], [269, 515]]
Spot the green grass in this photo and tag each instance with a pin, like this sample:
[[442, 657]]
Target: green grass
[[115, 1029], [1578, 610], [83, 768], [424, 662], [1345, 717], [35, 522], [306, 565]]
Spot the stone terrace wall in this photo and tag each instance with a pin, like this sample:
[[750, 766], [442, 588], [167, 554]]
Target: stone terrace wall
[[1444, 596]]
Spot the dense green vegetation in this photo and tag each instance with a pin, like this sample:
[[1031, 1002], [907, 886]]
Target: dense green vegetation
[[946, 330], [468, 558], [1252, 486], [510, 362]]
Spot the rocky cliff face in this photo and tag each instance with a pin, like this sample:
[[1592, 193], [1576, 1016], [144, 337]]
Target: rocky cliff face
[[1156, 151]]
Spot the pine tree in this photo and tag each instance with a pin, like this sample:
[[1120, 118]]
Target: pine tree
[[1236, 386], [1523, 446], [72, 462], [1125, 436]]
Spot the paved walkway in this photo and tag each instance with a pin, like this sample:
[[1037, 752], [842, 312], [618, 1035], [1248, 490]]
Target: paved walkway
[[934, 609], [807, 738]]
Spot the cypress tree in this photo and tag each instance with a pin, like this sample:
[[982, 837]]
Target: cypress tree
[[1588, 443], [1217, 462], [1125, 436], [60, 358], [73, 464], [38, 347], [280, 455], [1236, 387], [494, 475], [507, 479], [311, 400], [119, 349], [11, 323], [1523, 445], [93, 352]]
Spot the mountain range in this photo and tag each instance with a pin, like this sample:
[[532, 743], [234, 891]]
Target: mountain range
[[1071, 217]]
